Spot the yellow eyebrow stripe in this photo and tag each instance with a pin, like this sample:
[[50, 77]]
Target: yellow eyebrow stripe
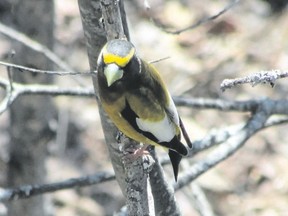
[[119, 60]]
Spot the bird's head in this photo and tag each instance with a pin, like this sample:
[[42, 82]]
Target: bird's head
[[113, 59]]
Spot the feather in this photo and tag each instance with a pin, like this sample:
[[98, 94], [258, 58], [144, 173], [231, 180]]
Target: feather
[[138, 102], [175, 159]]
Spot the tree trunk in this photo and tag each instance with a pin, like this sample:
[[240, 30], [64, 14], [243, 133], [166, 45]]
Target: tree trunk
[[30, 115], [132, 177]]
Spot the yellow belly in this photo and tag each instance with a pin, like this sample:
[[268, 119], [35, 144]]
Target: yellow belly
[[113, 111]]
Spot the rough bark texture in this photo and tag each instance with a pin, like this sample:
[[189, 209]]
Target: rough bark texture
[[163, 193], [30, 115], [95, 35], [131, 176]]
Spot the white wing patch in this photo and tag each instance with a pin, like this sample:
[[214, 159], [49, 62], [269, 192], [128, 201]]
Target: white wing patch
[[163, 130]]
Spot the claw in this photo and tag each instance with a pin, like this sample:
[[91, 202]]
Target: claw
[[135, 154]]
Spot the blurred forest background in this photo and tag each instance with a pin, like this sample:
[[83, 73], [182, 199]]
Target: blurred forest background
[[250, 37]]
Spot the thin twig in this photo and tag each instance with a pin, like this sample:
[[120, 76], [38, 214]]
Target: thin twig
[[33, 70], [12, 33], [255, 79], [201, 202], [213, 138], [203, 20], [159, 60], [273, 121], [10, 72], [197, 196], [38, 47]]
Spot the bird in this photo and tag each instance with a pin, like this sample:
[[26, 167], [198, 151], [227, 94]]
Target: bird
[[137, 101]]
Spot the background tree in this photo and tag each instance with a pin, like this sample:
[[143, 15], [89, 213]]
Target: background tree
[[30, 115]]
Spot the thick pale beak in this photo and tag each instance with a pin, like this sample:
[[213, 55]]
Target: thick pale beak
[[112, 73]]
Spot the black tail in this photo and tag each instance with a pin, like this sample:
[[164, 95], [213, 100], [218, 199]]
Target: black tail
[[176, 151], [176, 145], [175, 159]]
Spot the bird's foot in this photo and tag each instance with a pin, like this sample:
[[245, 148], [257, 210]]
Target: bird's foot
[[135, 154]]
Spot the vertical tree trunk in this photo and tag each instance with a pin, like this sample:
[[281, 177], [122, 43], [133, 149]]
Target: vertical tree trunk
[[30, 115], [95, 35], [131, 176]]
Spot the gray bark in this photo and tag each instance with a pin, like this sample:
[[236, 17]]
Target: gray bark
[[131, 175], [163, 193], [95, 35], [30, 115]]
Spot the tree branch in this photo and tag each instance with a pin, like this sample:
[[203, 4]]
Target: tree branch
[[158, 177], [228, 148], [201, 203], [280, 106], [33, 70], [163, 193], [33, 190], [200, 21], [255, 79], [34, 45], [218, 104], [35, 89], [216, 137]]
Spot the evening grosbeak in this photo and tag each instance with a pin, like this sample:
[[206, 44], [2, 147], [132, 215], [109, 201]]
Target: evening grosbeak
[[137, 101]]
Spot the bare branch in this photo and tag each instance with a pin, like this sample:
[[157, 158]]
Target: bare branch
[[218, 104], [159, 60], [213, 138], [216, 137], [7, 101], [32, 190], [10, 74], [202, 103], [279, 106], [273, 121], [12, 33], [225, 150], [256, 78], [163, 193], [201, 21], [33, 70], [25, 89], [156, 183], [201, 202]]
